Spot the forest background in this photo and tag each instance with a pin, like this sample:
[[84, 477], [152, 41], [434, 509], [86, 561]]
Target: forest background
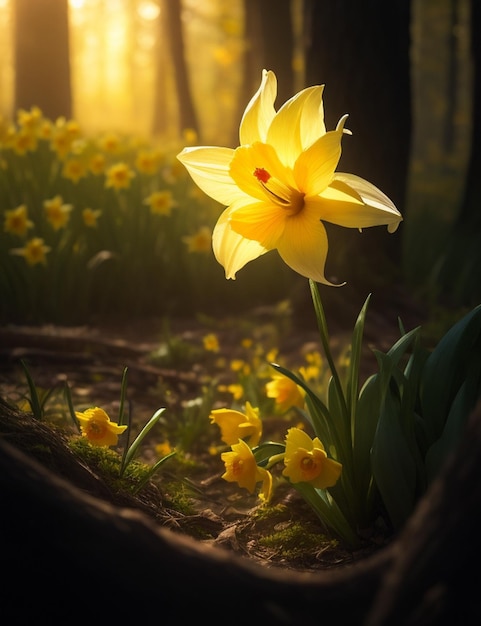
[[407, 72]]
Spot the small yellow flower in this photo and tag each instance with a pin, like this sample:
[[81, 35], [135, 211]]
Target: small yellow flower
[[119, 176], [285, 392], [16, 221], [34, 251], [201, 241], [307, 461], [96, 426], [58, 213], [235, 425], [148, 161], [63, 136], [74, 170], [236, 390], [190, 135], [97, 164], [211, 343], [241, 468], [163, 448], [90, 217], [30, 120], [160, 202], [110, 143], [24, 141]]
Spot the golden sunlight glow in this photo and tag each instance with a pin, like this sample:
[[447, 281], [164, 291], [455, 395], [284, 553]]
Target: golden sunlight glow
[[121, 69], [6, 54]]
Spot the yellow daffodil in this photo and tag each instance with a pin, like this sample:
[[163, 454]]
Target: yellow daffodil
[[74, 170], [119, 176], [148, 161], [285, 392], [35, 251], [235, 425], [201, 241], [97, 163], [241, 468], [30, 120], [236, 390], [307, 461], [96, 426], [211, 342], [90, 217], [58, 213], [160, 202], [24, 141], [280, 185], [16, 221]]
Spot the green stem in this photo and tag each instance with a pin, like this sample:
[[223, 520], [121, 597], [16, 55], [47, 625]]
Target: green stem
[[324, 332]]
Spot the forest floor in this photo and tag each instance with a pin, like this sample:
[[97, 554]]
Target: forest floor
[[188, 494]]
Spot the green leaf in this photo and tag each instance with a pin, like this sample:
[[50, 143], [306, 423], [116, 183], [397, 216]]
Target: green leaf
[[393, 466], [446, 369], [459, 411], [352, 391], [264, 451], [328, 512], [138, 440]]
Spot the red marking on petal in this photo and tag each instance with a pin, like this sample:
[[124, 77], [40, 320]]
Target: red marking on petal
[[261, 174]]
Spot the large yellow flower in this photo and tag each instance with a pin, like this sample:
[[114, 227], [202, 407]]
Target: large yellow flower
[[235, 425], [307, 461], [280, 185]]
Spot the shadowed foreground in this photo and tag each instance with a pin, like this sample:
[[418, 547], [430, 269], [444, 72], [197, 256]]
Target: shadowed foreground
[[68, 556]]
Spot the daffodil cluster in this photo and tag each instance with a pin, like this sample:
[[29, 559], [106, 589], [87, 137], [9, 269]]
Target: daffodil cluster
[[88, 224], [305, 459]]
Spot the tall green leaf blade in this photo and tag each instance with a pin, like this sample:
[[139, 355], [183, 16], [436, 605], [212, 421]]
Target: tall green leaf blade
[[394, 468], [446, 368]]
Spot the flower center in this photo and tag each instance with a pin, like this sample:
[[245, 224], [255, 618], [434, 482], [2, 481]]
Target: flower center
[[283, 195], [308, 464], [237, 467]]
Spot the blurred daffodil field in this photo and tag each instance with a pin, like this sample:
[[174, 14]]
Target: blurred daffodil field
[[98, 226]]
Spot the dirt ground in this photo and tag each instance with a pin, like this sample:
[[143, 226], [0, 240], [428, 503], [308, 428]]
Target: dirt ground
[[92, 359]]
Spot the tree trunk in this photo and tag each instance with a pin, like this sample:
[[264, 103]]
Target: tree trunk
[[460, 268], [360, 51], [42, 63], [173, 19]]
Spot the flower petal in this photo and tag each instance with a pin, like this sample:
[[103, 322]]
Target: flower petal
[[260, 111], [260, 221], [231, 249], [209, 169], [303, 246], [382, 209], [288, 131], [314, 169], [297, 438], [331, 471]]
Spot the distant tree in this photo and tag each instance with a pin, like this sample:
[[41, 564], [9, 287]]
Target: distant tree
[[269, 39], [41, 56], [460, 268], [360, 51], [173, 24]]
